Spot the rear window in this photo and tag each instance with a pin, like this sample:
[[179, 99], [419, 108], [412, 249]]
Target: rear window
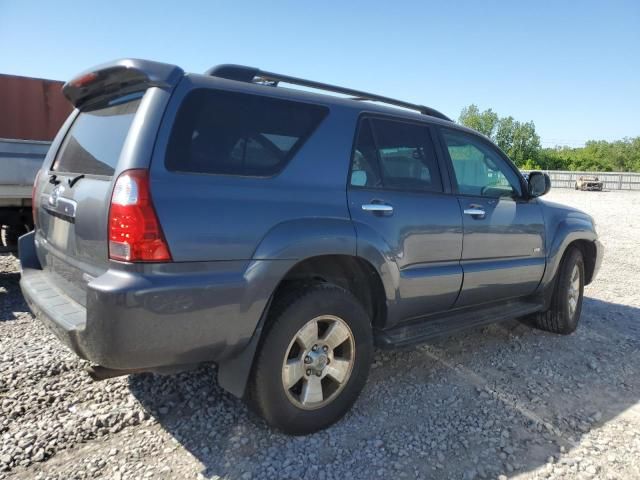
[[93, 144], [232, 133]]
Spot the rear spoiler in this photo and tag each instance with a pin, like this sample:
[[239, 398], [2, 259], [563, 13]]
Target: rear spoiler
[[120, 77]]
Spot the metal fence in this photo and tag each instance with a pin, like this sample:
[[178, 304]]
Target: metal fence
[[610, 180]]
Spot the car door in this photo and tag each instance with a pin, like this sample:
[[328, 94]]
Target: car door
[[503, 253], [398, 202]]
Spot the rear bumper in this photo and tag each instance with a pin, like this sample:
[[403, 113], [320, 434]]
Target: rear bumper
[[62, 315], [134, 320]]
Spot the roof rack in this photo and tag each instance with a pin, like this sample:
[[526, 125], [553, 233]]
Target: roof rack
[[242, 73]]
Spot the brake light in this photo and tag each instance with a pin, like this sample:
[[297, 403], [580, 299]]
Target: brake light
[[33, 200], [134, 230], [84, 80]]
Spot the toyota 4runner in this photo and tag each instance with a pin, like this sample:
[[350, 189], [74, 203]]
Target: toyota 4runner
[[281, 234]]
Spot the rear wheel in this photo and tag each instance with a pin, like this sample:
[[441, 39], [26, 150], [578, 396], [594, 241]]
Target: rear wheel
[[313, 361], [566, 304]]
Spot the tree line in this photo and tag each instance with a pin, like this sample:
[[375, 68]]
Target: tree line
[[521, 143]]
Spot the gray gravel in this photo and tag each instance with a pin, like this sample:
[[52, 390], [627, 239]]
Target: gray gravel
[[505, 401]]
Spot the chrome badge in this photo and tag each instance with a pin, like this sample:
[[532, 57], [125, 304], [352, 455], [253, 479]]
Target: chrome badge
[[55, 194]]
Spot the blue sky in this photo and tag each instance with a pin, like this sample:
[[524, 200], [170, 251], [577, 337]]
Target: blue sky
[[571, 67]]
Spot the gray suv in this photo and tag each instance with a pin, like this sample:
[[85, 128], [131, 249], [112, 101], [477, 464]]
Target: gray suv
[[281, 234]]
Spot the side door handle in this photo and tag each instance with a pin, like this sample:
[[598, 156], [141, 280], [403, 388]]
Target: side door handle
[[475, 211], [377, 208]]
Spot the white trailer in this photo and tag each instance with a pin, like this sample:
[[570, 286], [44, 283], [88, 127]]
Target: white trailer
[[20, 160]]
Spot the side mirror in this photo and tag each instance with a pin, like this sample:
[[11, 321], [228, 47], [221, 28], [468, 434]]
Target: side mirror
[[539, 184]]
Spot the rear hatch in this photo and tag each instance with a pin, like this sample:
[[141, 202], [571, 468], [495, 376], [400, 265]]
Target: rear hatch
[[74, 200], [119, 106]]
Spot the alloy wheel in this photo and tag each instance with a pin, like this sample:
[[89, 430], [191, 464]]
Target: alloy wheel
[[318, 362]]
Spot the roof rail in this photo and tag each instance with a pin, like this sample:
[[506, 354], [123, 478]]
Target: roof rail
[[242, 73]]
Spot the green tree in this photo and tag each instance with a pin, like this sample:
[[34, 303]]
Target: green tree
[[521, 143], [518, 140], [621, 156], [484, 122], [525, 147], [504, 133]]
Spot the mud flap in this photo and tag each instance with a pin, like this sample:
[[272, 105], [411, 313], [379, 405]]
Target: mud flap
[[27, 251], [233, 373]]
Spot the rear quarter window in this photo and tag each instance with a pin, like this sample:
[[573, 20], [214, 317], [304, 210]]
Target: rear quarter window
[[94, 141], [230, 133]]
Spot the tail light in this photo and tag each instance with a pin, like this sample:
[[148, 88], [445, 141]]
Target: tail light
[[34, 212], [134, 230]]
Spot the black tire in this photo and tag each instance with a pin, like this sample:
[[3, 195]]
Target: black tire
[[559, 318], [10, 234], [289, 314]]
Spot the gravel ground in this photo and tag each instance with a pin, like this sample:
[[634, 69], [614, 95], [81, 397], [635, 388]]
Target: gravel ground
[[505, 401]]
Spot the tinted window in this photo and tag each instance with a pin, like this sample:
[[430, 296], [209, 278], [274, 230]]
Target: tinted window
[[398, 155], [479, 169], [238, 134], [407, 157], [364, 166], [95, 139]]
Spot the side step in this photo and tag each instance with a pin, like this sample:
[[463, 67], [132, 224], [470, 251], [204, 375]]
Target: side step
[[452, 322]]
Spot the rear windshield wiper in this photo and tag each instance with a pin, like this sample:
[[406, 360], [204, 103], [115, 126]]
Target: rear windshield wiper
[[74, 180]]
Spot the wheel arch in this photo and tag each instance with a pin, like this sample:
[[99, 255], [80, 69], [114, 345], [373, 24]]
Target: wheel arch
[[353, 273], [564, 229], [589, 255], [320, 248], [566, 238]]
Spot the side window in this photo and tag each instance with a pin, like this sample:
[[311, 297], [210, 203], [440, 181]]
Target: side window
[[238, 134], [400, 156], [365, 171], [407, 157], [479, 169], [256, 152]]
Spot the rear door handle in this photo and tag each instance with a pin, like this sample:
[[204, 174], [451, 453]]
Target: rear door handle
[[377, 208], [475, 212]]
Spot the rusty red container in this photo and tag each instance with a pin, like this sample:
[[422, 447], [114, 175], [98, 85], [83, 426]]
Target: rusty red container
[[31, 108]]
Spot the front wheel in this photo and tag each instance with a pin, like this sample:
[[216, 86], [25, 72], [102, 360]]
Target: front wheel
[[566, 303], [314, 359]]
